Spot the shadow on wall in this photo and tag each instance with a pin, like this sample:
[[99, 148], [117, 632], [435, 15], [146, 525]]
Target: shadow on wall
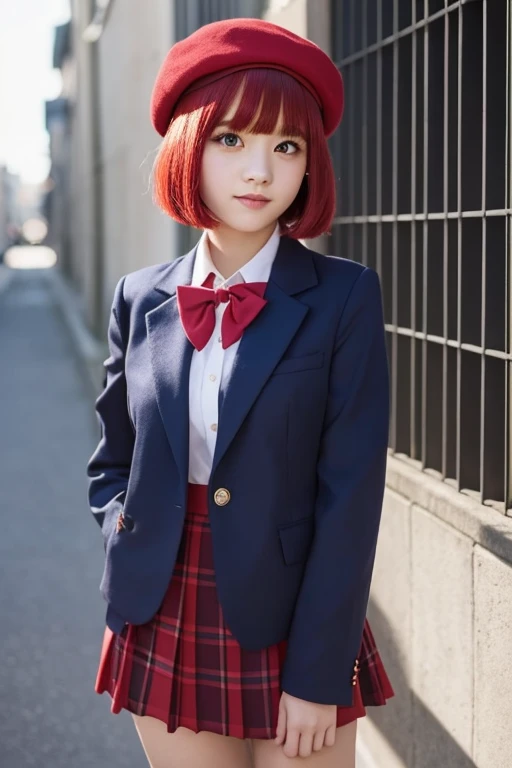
[[413, 732]]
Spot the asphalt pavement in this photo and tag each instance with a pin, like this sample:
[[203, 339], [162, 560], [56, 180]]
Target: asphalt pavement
[[51, 551]]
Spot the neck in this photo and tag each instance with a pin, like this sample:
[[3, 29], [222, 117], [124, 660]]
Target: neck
[[231, 249]]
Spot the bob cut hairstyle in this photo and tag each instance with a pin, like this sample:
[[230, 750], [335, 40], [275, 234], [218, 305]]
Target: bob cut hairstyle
[[201, 108]]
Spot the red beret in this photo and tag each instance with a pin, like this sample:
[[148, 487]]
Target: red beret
[[234, 44]]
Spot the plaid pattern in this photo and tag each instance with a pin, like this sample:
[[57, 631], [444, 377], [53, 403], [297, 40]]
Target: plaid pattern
[[184, 667]]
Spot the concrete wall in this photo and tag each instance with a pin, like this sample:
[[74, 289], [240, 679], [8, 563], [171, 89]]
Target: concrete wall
[[131, 50], [117, 227], [82, 203], [441, 613], [291, 14]]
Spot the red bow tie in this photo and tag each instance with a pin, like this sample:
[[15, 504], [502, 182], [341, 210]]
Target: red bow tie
[[197, 304]]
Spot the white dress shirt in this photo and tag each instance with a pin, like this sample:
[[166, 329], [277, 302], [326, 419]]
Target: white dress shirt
[[211, 366]]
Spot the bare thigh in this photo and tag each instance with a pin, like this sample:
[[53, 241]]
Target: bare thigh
[[186, 749], [342, 754]]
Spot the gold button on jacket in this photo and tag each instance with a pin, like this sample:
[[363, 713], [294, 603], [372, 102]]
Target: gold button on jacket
[[221, 496]]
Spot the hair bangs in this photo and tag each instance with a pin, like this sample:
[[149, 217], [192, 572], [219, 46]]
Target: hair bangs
[[265, 93]]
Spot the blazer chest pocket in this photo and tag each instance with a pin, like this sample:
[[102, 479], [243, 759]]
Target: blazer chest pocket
[[302, 363], [296, 539]]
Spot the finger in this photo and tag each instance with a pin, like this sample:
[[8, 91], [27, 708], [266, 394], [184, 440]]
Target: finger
[[291, 745], [330, 736], [281, 725], [318, 741], [306, 743]]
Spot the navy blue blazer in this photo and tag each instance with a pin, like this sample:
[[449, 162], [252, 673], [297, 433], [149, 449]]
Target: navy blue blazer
[[301, 447]]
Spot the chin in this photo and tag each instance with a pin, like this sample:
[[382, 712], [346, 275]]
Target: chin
[[250, 222], [250, 227]]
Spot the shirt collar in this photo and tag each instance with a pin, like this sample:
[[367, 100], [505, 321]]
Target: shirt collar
[[256, 270]]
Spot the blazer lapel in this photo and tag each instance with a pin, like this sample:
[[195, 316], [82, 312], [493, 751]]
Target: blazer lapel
[[265, 340], [171, 354], [262, 345]]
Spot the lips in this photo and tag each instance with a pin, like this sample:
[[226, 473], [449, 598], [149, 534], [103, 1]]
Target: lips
[[253, 197], [254, 202]]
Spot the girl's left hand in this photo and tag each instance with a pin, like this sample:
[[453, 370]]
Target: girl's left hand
[[304, 726]]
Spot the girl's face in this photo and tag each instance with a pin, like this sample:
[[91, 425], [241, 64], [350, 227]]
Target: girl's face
[[238, 164]]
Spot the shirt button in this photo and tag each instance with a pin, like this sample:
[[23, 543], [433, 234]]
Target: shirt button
[[213, 427], [219, 339], [212, 377]]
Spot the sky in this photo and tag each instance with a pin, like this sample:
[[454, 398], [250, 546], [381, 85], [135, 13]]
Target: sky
[[27, 80]]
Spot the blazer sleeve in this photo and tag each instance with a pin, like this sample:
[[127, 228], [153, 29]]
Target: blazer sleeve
[[328, 620], [108, 468]]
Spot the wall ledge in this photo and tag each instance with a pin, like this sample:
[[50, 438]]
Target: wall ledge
[[484, 525]]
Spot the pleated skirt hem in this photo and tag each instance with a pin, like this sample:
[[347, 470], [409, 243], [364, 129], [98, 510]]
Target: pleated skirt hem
[[186, 669]]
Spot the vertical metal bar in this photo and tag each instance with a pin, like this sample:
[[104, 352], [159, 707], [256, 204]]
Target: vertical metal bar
[[413, 342], [351, 173], [508, 271], [425, 243], [378, 237], [365, 133], [394, 210], [444, 404], [459, 251], [484, 255]]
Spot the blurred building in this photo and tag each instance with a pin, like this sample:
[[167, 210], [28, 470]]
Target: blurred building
[[422, 161], [19, 202], [8, 215], [57, 205]]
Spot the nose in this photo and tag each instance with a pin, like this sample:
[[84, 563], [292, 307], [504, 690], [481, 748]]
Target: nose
[[257, 169], [258, 177]]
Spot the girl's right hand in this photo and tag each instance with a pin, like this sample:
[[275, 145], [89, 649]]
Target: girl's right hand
[[304, 727]]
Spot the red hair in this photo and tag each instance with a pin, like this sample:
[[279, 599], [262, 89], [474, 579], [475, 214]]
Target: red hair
[[177, 166]]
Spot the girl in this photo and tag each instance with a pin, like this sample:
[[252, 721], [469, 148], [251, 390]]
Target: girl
[[241, 469]]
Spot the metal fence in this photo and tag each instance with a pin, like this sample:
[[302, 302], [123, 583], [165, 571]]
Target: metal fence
[[424, 198]]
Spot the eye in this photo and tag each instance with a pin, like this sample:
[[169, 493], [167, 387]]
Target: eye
[[293, 144], [229, 137]]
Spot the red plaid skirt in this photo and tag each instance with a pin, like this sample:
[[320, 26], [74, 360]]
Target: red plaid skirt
[[184, 667]]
